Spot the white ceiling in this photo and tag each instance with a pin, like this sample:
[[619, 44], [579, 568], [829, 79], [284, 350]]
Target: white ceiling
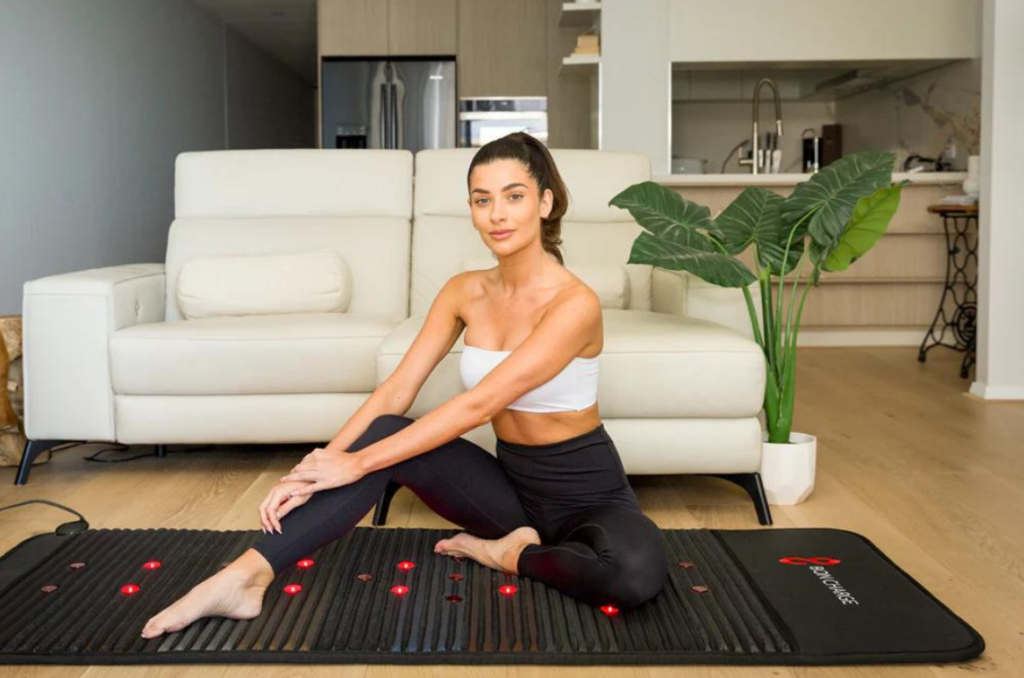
[[286, 29]]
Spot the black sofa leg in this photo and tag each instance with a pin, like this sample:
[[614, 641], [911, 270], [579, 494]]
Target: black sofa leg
[[160, 450], [751, 482], [33, 448], [380, 515]]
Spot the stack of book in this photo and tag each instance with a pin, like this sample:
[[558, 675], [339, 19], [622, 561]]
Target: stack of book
[[587, 44]]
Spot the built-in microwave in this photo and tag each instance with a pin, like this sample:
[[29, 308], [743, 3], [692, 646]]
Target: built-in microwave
[[483, 119]]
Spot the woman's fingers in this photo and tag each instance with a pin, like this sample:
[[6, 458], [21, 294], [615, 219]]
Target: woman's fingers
[[287, 507], [308, 476], [264, 521], [307, 490]]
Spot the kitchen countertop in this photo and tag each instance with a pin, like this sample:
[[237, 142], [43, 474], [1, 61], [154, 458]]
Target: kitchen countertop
[[791, 179]]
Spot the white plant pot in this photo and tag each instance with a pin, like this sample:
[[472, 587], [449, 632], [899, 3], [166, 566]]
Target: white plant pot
[[971, 185], [787, 470]]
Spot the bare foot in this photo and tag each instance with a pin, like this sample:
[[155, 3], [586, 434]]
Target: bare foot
[[236, 592], [498, 554]]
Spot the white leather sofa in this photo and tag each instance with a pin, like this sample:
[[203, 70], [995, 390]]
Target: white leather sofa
[[121, 354]]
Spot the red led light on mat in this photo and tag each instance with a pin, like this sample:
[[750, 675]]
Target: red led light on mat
[[609, 610], [305, 563], [292, 589], [129, 589], [151, 565], [507, 589], [406, 565], [399, 590]]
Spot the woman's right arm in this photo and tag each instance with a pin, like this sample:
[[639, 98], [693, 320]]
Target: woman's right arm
[[441, 329], [384, 400]]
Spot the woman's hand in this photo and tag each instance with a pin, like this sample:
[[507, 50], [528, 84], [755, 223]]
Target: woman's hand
[[323, 469], [279, 503]]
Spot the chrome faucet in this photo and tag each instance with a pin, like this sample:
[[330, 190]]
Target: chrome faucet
[[756, 159]]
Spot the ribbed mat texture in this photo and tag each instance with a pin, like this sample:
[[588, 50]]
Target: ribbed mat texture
[[74, 607]]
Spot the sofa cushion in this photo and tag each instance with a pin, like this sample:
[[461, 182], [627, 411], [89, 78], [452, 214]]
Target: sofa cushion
[[653, 365], [317, 281], [294, 353], [610, 282]]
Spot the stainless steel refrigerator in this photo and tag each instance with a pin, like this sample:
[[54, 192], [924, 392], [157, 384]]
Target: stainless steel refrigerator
[[403, 102]]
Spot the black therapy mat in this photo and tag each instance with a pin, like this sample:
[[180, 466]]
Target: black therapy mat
[[771, 596]]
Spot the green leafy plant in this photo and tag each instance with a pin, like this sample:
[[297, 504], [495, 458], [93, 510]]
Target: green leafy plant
[[830, 221]]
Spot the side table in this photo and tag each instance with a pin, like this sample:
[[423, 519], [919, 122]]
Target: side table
[[958, 306]]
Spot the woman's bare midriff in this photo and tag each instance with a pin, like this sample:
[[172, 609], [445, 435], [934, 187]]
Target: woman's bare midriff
[[497, 325]]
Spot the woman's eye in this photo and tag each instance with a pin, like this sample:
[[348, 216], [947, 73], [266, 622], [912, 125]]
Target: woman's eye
[[481, 201], [517, 195]]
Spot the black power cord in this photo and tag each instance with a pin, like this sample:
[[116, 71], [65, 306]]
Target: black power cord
[[121, 447], [74, 527]]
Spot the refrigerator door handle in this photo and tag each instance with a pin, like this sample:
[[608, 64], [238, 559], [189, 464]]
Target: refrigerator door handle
[[384, 126], [394, 116]]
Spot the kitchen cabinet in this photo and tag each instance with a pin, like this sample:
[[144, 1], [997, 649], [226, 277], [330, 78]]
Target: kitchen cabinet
[[352, 27], [502, 48], [417, 27], [787, 31], [387, 27]]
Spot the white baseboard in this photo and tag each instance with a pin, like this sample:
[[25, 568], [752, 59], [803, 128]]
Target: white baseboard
[[857, 336], [987, 392]]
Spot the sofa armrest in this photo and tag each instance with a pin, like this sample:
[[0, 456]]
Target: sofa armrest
[[683, 294], [668, 290], [67, 321], [723, 305]]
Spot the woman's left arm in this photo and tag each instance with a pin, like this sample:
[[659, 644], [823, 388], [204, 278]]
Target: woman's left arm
[[326, 468], [565, 330]]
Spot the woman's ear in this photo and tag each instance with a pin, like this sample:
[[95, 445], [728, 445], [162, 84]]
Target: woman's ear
[[547, 203]]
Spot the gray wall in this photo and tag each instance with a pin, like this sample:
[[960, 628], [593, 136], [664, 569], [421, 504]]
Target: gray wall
[[97, 98], [269, 105]]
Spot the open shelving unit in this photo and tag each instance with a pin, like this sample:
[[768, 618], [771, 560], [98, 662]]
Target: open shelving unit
[[583, 15]]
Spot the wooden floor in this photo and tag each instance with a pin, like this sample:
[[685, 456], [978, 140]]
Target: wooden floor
[[935, 478]]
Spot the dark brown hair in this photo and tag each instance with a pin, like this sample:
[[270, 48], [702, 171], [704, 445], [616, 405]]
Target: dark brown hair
[[541, 166]]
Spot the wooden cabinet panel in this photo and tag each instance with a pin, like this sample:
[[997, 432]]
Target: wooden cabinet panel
[[886, 305], [422, 27], [352, 27], [502, 48], [569, 92]]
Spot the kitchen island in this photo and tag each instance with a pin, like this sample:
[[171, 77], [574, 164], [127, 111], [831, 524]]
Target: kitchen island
[[888, 297]]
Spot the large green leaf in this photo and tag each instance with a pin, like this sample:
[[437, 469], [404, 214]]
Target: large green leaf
[[754, 217], [666, 214], [833, 193], [870, 219], [680, 235], [713, 266]]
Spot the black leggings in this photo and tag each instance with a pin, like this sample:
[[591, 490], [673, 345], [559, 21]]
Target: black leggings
[[597, 546]]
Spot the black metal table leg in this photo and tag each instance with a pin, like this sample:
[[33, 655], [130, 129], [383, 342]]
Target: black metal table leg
[[958, 306]]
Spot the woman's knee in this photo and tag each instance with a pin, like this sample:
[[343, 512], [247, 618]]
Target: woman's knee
[[638, 570], [638, 577], [380, 428]]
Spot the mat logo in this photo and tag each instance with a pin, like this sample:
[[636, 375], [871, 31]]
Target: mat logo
[[813, 560], [816, 564]]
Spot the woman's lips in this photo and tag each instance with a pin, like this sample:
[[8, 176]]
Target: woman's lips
[[500, 235]]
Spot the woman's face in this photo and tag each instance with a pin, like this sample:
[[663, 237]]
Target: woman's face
[[504, 197]]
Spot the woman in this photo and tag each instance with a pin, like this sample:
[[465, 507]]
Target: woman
[[555, 504]]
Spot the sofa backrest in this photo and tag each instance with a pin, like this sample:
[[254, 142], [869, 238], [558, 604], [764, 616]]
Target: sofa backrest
[[355, 202], [592, 231]]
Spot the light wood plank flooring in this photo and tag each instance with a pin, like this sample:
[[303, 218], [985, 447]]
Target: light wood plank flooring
[[935, 478]]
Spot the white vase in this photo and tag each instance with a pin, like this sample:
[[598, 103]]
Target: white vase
[[787, 469], [971, 185]]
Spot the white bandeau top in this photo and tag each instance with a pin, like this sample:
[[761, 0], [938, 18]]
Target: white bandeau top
[[571, 390]]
